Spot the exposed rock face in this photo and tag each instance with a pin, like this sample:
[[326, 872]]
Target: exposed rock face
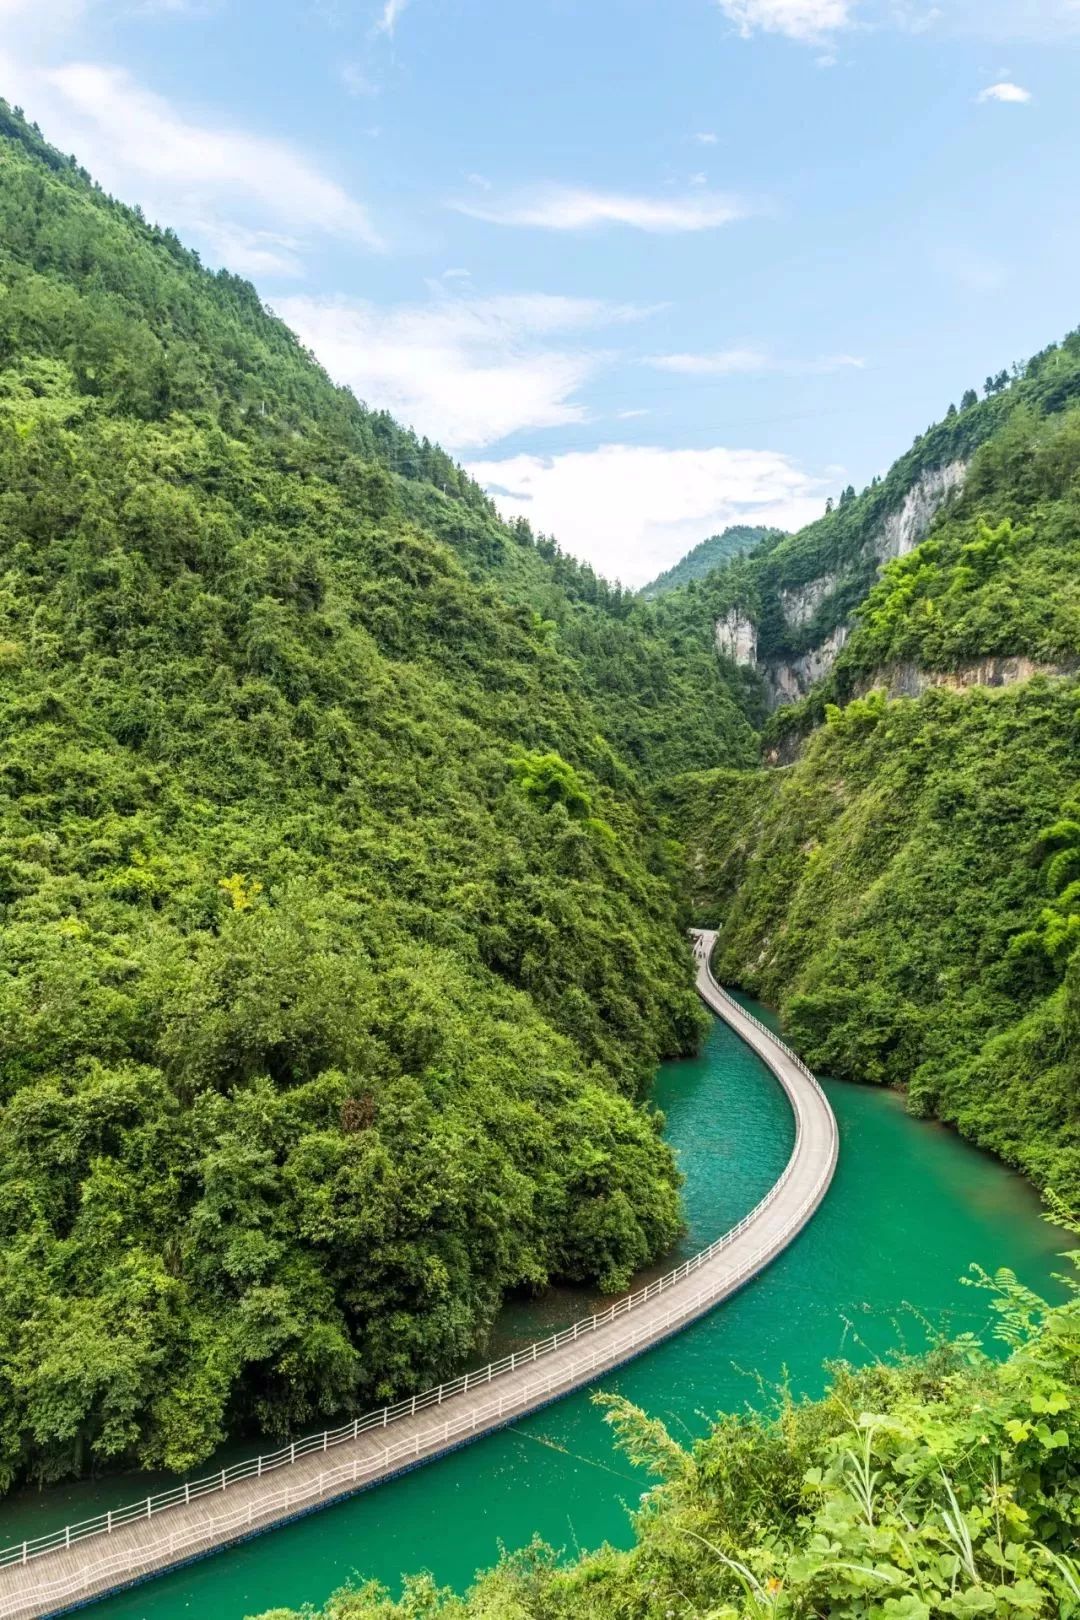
[[901, 532], [736, 637], [786, 683], [908, 680], [799, 604], [905, 528]]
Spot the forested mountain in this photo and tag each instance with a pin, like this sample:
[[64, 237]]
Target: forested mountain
[[339, 943], [787, 609], [710, 554], [342, 904], [907, 890]]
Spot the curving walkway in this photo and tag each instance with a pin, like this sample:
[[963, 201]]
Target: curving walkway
[[72, 1566]]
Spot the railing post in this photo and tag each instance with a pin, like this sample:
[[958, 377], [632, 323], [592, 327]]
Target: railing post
[[325, 1434], [223, 1479], [292, 1451], [108, 1518], [355, 1428], [187, 1492]]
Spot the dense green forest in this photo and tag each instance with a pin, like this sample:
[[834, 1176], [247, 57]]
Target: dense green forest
[[709, 555], [339, 942], [946, 1485], [348, 836], [907, 891], [885, 892]]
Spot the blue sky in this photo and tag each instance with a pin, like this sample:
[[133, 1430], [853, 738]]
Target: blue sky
[[646, 266]]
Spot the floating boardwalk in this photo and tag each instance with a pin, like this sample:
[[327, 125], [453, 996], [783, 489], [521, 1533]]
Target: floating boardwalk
[[72, 1566]]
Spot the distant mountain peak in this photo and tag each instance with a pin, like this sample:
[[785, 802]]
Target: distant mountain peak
[[711, 553]]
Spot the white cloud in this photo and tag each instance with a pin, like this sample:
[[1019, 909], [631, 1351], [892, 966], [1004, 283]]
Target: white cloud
[[798, 19], [133, 140], [705, 137], [1005, 92], [389, 15], [571, 208], [632, 511], [252, 201], [251, 252], [464, 370], [733, 362], [727, 362]]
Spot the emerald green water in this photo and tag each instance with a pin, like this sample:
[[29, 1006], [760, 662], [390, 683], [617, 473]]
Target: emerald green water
[[910, 1208]]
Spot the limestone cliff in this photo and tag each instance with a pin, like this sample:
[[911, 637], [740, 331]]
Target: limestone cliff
[[737, 637], [903, 530], [788, 679]]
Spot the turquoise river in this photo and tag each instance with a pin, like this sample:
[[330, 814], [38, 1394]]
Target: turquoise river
[[880, 1266]]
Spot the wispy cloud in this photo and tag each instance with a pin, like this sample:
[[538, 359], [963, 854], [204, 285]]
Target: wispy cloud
[[747, 361], [467, 370], [1005, 92], [705, 137], [573, 208], [389, 15], [254, 198], [806, 20], [633, 510]]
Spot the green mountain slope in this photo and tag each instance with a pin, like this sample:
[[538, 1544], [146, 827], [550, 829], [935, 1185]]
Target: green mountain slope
[[906, 890], [797, 600], [711, 553], [877, 891], [997, 581], [338, 942]]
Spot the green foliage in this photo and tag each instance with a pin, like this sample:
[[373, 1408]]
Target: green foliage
[[338, 942], [548, 780], [997, 577], [939, 1486], [908, 893], [711, 553]]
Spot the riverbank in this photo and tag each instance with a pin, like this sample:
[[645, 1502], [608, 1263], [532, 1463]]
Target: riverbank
[[911, 1206]]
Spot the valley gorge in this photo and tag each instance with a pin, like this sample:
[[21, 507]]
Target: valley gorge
[[350, 840]]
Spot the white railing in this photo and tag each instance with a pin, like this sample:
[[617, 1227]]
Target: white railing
[[278, 1503]]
